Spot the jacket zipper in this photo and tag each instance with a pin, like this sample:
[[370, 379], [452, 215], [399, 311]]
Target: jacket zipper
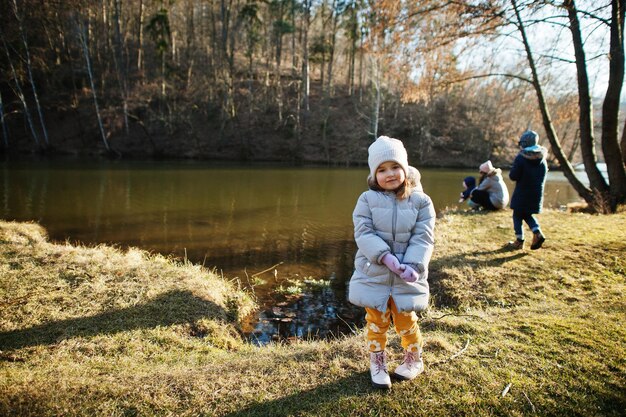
[[393, 225], [394, 217]]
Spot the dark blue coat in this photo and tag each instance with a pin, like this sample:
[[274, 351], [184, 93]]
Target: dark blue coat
[[529, 173]]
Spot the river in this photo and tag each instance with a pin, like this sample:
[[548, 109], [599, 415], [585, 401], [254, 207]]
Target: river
[[285, 233]]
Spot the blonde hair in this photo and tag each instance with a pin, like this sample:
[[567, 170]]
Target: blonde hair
[[402, 192]]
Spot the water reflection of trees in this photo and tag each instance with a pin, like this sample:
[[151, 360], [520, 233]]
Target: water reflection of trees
[[316, 313]]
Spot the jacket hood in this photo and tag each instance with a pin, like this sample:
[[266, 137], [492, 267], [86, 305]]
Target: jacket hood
[[534, 153], [496, 172], [415, 178]]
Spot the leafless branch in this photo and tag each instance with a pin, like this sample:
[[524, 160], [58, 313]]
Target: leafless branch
[[556, 58], [532, 406], [266, 270], [451, 314], [460, 352], [593, 58], [17, 300], [495, 74], [596, 17]]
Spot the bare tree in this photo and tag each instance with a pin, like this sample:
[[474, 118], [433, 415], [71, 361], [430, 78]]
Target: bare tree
[[305, 58], [335, 14], [29, 68], [352, 32], [140, 23], [5, 133], [120, 65], [565, 165], [610, 108], [623, 144], [159, 28], [82, 35], [19, 92], [587, 140]]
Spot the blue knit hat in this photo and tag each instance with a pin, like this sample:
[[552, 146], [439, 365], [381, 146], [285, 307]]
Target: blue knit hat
[[470, 182], [528, 139]]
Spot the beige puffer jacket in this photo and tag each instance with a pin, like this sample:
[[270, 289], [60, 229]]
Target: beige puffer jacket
[[384, 224], [494, 184]]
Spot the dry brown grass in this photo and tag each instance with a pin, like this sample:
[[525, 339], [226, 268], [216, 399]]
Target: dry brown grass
[[101, 332]]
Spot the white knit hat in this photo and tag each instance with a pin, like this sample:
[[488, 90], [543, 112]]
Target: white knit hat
[[386, 149], [486, 167]]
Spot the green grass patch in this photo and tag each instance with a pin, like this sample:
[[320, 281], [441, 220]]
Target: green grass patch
[[104, 332]]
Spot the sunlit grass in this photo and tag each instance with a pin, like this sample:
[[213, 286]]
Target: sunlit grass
[[104, 332]]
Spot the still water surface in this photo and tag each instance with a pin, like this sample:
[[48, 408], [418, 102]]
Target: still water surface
[[296, 223]]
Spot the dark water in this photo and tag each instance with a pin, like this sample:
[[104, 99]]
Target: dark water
[[285, 233]]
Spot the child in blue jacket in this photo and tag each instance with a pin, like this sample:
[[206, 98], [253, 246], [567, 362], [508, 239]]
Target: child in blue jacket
[[529, 173], [469, 183]]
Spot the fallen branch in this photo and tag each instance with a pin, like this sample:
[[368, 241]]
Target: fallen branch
[[266, 270], [16, 300], [353, 330], [456, 355], [450, 314], [460, 352], [532, 406]]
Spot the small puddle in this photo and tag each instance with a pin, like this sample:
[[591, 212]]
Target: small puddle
[[304, 309]]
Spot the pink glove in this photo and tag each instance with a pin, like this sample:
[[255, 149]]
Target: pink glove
[[392, 263], [409, 274]]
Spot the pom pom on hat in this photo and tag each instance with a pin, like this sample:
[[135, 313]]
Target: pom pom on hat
[[386, 149], [486, 167]]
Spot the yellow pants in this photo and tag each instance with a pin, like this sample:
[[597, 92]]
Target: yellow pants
[[406, 325]]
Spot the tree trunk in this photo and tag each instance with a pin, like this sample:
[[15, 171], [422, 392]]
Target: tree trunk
[[20, 93], [568, 171], [585, 117], [294, 55], [120, 67], [376, 76], [352, 36], [305, 57], [361, 46], [83, 41], [191, 43], [610, 109], [334, 16], [29, 68], [623, 144], [140, 37], [323, 40], [5, 134], [226, 64]]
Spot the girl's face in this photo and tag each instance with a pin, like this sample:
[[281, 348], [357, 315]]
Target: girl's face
[[390, 176], [464, 185]]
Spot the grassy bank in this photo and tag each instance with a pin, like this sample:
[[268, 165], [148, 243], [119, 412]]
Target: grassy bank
[[98, 331]]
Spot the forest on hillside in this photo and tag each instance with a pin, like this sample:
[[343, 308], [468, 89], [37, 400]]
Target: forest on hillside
[[304, 81]]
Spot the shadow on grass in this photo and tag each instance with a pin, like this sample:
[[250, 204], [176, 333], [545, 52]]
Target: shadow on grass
[[311, 402], [173, 307], [493, 258]]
